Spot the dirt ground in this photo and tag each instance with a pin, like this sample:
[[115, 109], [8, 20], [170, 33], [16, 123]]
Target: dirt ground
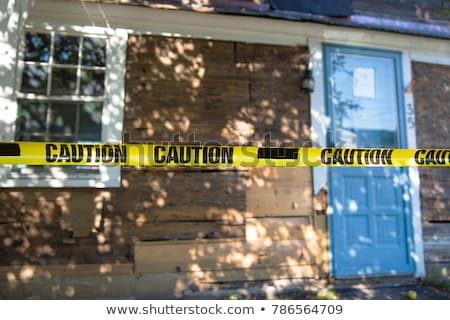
[[393, 293], [321, 290], [378, 293]]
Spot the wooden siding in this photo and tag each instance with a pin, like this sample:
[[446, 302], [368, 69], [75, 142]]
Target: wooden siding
[[183, 226], [219, 255], [432, 96], [48, 226], [181, 90], [436, 238], [432, 127]]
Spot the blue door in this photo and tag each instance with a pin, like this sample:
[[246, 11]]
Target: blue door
[[370, 218]]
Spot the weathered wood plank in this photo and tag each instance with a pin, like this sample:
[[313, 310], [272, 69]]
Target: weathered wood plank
[[193, 213], [257, 273], [46, 207], [217, 87], [436, 238], [280, 177], [99, 282], [218, 255], [323, 258], [437, 252], [266, 53], [28, 272], [279, 201], [174, 109], [53, 254], [291, 228], [206, 196], [146, 71], [432, 132], [435, 231], [209, 204], [185, 231]]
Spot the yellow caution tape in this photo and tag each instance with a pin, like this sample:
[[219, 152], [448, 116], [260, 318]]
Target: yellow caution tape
[[52, 153]]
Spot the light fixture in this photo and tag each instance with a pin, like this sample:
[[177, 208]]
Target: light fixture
[[308, 81]]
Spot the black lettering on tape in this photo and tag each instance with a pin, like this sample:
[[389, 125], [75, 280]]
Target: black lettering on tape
[[193, 155], [356, 156], [185, 154], [197, 153], [227, 155], [326, 155], [64, 153], [432, 157], [214, 155], [278, 153], [77, 153], [49, 157], [9, 150]]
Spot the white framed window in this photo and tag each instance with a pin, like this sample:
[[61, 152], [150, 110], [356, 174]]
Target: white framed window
[[69, 87]]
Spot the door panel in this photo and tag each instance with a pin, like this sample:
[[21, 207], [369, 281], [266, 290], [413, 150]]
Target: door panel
[[369, 212], [369, 222]]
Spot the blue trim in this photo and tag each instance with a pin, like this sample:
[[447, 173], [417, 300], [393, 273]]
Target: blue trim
[[396, 57]]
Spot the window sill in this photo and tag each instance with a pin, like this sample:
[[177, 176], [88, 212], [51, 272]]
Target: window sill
[[109, 177]]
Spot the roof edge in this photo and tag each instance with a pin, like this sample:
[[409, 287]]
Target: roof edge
[[233, 7]]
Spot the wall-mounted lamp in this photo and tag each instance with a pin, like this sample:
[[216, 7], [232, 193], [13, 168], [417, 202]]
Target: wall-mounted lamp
[[308, 81]]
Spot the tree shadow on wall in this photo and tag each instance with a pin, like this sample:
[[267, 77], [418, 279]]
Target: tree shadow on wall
[[167, 231]]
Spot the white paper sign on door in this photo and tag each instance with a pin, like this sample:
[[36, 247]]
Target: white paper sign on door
[[364, 83]]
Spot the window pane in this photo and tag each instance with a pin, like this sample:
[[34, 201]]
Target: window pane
[[31, 121], [62, 121], [92, 83], [90, 127], [64, 81], [364, 100], [66, 49], [37, 47], [34, 79], [94, 52]]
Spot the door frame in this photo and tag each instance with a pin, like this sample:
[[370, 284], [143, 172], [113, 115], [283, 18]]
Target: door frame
[[396, 58], [321, 123]]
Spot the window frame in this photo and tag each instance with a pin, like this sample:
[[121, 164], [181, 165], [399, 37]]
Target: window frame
[[112, 111]]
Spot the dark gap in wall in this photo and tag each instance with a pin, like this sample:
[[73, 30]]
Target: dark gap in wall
[[249, 92]]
